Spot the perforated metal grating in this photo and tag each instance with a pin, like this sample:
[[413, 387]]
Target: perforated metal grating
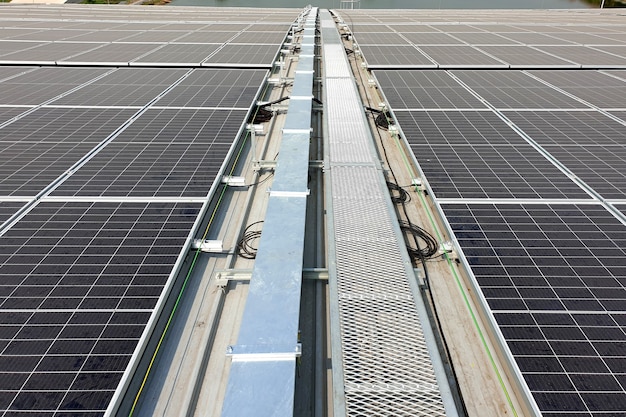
[[387, 367], [384, 356]]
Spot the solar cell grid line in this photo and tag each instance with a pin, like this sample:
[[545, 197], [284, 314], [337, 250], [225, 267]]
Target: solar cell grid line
[[70, 323], [554, 280], [216, 88], [425, 89], [506, 89], [164, 153], [44, 84], [494, 172]]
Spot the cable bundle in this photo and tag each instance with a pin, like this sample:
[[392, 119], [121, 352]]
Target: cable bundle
[[245, 249], [419, 234]]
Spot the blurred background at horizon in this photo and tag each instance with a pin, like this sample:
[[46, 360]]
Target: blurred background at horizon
[[407, 4]]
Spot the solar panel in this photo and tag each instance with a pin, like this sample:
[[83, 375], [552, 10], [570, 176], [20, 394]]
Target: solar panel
[[56, 125], [460, 56], [502, 171], [569, 128], [534, 38], [163, 153], [52, 35], [262, 55], [601, 167], [216, 88], [154, 36], [124, 87], [424, 89], [26, 168], [376, 38], [206, 37], [505, 89], [456, 128], [266, 37], [525, 57], [381, 56], [104, 36], [432, 38], [587, 57], [49, 52], [43, 84], [113, 53], [70, 323], [594, 87], [553, 276], [598, 41], [190, 54]]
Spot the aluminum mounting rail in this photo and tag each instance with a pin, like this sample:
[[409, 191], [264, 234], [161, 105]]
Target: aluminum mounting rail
[[263, 368], [385, 361]]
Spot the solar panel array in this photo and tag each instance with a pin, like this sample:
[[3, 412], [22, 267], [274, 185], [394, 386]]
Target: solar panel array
[[182, 38], [104, 172], [528, 167], [489, 39]]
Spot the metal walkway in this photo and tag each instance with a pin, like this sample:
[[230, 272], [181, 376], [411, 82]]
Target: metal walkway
[[385, 363]]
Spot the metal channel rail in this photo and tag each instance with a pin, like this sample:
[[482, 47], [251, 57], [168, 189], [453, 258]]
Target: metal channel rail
[[385, 362], [263, 369]]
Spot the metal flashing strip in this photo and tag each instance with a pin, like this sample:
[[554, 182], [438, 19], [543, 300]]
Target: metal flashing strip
[[263, 368], [385, 360]]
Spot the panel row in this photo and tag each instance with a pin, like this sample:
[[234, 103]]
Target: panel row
[[503, 89], [128, 87], [555, 278], [79, 282]]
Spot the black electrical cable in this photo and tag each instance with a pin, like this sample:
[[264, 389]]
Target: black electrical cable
[[398, 194], [245, 247], [418, 234], [263, 180]]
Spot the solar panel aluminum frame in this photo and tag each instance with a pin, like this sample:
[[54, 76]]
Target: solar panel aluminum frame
[[487, 316]]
